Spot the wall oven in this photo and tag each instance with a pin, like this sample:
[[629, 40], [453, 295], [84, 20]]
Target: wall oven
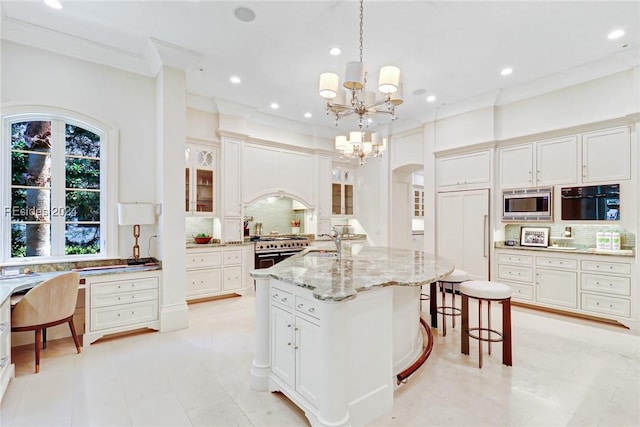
[[529, 204], [591, 203], [271, 250]]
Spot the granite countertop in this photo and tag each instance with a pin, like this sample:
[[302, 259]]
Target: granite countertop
[[583, 250], [192, 245], [364, 268], [21, 282]]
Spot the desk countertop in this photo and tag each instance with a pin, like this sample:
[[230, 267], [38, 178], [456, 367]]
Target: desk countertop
[[12, 285], [362, 269]]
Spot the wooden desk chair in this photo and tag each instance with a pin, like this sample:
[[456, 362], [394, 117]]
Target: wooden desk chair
[[50, 303]]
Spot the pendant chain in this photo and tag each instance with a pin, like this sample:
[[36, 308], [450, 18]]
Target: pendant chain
[[361, 26]]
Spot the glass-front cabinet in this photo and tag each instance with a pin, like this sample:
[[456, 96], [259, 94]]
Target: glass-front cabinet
[[199, 180], [342, 192]]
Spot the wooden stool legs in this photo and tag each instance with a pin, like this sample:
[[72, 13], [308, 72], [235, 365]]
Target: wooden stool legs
[[505, 335]]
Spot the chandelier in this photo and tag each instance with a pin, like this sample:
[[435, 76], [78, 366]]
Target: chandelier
[[362, 103], [361, 145]]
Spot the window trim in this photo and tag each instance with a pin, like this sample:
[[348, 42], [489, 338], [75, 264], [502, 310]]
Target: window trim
[[108, 180]]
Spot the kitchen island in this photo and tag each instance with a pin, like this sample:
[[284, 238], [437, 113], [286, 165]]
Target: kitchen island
[[332, 334]]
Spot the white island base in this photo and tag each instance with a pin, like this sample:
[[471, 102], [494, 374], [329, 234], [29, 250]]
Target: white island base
[[336, 360]]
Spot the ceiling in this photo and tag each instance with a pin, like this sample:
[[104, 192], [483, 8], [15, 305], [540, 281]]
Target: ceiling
[[452, 49]]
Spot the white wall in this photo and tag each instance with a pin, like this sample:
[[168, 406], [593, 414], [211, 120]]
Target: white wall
[[593, 101], [123, 100], [469, 128]]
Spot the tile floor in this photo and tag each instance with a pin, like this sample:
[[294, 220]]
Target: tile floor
[[566, 372]]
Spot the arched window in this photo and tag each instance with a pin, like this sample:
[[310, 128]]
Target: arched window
[[55, 189]]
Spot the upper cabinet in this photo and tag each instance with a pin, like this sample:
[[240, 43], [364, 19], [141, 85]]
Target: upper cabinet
[[342, 192], [599, 156], [200, 173], [231, 179], [541, 163], [464, 171], [606, 155]]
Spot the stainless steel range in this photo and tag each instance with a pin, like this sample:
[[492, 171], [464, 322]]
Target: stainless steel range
[[271, 250]]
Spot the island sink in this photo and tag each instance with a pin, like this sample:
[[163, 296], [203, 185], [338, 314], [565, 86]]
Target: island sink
[[322, 254]]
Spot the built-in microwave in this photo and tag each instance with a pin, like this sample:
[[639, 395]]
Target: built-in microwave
[[528, 204]]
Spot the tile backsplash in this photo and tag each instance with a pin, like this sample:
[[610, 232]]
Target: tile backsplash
[[581, 234], [275, 214]]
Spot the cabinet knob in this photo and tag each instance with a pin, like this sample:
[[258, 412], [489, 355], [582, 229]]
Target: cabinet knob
[[312, 310], [284, 299]]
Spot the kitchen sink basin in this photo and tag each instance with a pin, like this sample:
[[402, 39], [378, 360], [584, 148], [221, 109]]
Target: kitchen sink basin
[[322, 254]]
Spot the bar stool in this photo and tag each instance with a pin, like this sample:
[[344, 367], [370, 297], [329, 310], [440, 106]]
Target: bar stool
[[489, 292], [452, 283]]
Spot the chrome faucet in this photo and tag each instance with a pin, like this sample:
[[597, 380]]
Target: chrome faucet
[[337, 239]]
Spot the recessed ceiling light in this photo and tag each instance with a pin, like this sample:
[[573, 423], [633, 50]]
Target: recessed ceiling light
[[615, 34], [307, 115], [431, 98], [506, 71], [275, 105], [335, 51], [235, 79], [54, 4], [244, 14]]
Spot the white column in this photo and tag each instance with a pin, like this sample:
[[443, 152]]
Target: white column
[[261, 364], [170, 137]]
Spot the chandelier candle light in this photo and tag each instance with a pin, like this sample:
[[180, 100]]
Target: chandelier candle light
[[362, 103], [361, 145]]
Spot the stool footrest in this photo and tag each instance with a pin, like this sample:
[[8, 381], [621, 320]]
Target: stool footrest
[[487, 337], [449, 311]]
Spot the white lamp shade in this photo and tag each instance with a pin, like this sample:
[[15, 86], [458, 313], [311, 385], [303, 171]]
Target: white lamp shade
[[136, 213], [355, 137], [389, 79], [329, 84], [341, 97], [396, 98], [354, 75], [341, 142]]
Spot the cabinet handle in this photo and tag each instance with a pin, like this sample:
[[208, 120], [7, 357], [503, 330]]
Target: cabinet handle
[[300, 306], [288, 325], [284, 299], [312, 310], [288, 343]]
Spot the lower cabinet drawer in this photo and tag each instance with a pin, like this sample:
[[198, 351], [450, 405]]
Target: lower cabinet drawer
[[123, 315], [521, 292], [608, 284], [515, 272], [282, 297], [608, 267], [606, 305], [203, 281], [307, 306], [123, 298], [117, 286], [557, 262], [232, 278]]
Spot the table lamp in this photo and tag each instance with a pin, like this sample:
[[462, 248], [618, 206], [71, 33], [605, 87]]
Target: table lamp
[[136, 214]]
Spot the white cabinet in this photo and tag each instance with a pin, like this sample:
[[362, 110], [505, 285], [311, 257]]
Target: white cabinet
[[463, 231], [121, 303], [598, 156], [215, 271], [231, 177], [204, 273], [606, 155], [200, 180], [594, 285], [232, 270], [295, 337], [470, 170], [342, 192], [605, 286], [549, 162], [557, 287], [6, 367]]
